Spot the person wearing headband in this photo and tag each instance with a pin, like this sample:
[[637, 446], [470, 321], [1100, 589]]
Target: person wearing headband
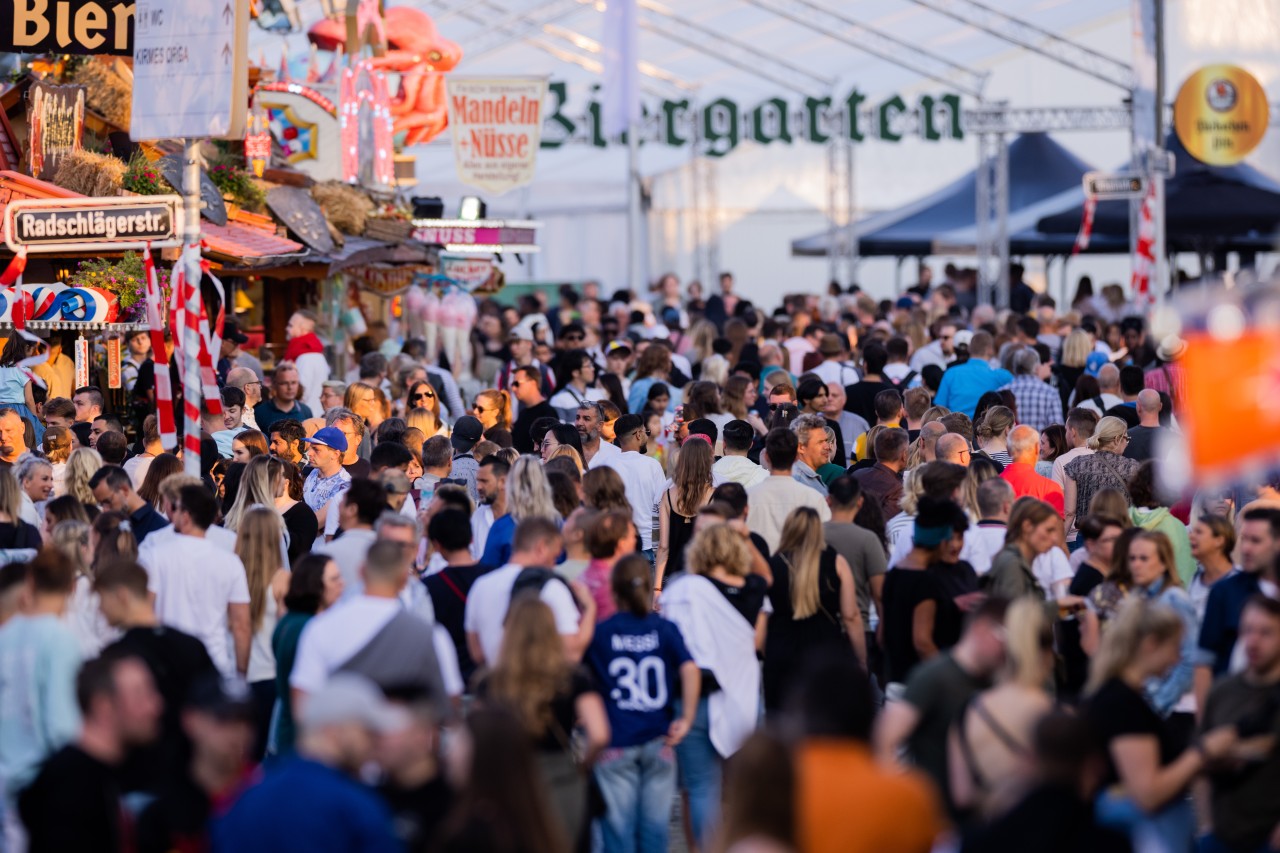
[[912, 594]]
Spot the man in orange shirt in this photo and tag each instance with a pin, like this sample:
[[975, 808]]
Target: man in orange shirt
[[1024, 450], [897, 812]]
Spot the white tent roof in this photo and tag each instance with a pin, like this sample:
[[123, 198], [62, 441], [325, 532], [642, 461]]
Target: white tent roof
[[749, 50]]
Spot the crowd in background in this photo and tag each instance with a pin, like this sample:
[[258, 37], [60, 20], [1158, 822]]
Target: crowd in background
[[651, 571]]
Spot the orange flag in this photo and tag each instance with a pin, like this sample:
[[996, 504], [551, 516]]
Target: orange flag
[[1232, 416]]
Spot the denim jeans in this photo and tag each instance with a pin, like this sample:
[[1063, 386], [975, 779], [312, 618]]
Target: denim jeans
[[638, 784], [700, 769]]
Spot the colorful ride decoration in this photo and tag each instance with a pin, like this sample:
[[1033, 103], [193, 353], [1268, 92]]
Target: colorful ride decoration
[[420, 56]]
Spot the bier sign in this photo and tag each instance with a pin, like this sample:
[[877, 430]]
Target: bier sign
[[99, 27], [496, 125], [87, 224]]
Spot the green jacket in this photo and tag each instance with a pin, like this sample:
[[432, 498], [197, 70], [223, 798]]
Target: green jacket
[[1159, 520]]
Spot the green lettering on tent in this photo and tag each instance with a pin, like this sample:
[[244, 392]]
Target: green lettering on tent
[[671, 111], [559, 90], [888, 111], [813, 108], [953, 109], [852, 105], [597, 123], [727, 131], [771, 112]]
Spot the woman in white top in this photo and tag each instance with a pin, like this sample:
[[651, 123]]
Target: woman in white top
[[57, 447], [82, 616], [258, 546]]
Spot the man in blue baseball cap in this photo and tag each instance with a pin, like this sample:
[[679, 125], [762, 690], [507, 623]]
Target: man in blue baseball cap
[[327, 479]]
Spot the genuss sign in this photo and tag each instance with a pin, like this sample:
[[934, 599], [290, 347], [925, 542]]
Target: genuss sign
[[114, 224]]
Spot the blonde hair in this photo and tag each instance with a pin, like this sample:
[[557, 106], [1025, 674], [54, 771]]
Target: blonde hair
[[258, 547], [1029, 637], [257, 486], [1136, 620], [71, 537], [424, 419], [174, 483], [528, 492], [997, 421], [912, 491], [1076, 349], [531, 668], [801, 545], [1107, 433], [718, 545], [568, 453], [82, 464]]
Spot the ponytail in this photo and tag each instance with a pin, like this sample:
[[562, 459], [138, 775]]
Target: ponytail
[[632, 585]]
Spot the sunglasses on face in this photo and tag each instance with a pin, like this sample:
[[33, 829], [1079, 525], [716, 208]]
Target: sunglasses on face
[[425, 395], [480, 411]]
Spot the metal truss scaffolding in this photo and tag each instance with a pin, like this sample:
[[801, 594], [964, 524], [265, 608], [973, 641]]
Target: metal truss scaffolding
[[706, 219], [842, 257], [993, 219], [1037, 39]]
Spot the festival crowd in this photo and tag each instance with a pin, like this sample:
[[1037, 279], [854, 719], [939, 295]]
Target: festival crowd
[[649, 571]]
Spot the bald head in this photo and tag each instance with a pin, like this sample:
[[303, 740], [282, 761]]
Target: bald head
[[1024, 444], [929, 435], [1149, 402], [247, 381], [951, 448], [1109, 379], [1149, 406]]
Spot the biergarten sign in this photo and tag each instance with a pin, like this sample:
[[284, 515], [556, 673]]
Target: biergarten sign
[[719, 126], [100, 27], [112, 224], [496, 125]]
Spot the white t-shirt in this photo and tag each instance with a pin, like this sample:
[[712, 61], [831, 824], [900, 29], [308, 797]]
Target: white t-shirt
[[333, 637], [604, 452], [490, 597], [772, 501], [137, 466], [194, 581], [978, 542], [1109, 399], [644, 481], [313, 372], [840, 372], [481, 521], [348, 551], [217, 536], [566, 401]]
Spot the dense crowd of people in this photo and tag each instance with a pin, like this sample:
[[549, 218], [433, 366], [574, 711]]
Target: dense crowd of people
[[651, 571]]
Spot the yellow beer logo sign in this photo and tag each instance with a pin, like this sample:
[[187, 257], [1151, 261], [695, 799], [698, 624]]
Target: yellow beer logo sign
[[1221, 114]]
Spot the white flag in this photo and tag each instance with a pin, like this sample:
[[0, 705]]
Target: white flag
[[621, 76]]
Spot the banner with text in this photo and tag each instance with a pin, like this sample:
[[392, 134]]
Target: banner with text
[[496, 125]]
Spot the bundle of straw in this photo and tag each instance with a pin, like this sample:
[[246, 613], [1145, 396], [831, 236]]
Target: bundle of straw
[[106, 92], [90, 174], [344, 206]]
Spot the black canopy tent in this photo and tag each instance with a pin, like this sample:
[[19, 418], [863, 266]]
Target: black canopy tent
[[1207, 209], [1039, 169]]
